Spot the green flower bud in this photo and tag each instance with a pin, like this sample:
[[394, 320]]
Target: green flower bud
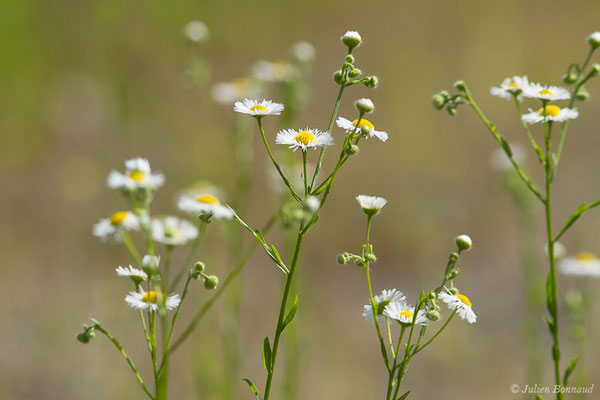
[[351, 39], [150, 264], [594, 39], [431, 295], [365, 130], [350, 58], [453, 290], [451, 110], [569, 78], [199, 266], [463, 242], [87, 334], [454, 257], [438, 101], [343, 258], [354, 73], [582, 94], [433, 315], [594, 70], [460, 85], [364, 106], [337, 77], [312, 204], [370, 257], [453, 274], [371, 81], [352, 149], [211, 282]]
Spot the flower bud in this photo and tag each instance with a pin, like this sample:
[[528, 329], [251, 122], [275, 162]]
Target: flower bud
[[150, 264], [454, 257], [460, 85], [337, 77], [594, 70], [364, 106], [438, 101], [312, 204], [582, 94], [354, 73], [453, 290], [451, 110], [463, 242], [195, 31], [211, 282], [431, 295], [199, 267], [370, 257], [433, 315], [343, 258], [352, 149], [86, 334], [453, 274], [570, 77], [351, 39], [365, 130], [371, 81], [350, 58], [594, 39], [444, 94]]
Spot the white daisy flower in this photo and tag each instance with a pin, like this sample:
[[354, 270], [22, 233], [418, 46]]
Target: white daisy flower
[[304, 139], [403, 313], [172, 231], [550, 113], [582, 264], [545, 92], [461, 303], [234, 90], [273, 71], [142, 300], [386, 297], [115, 225], [204, 204], [350, 126], [195, 31], [258, 109], [137, 176], [303, 51], [510, 86], [137, 275], [371, 205]]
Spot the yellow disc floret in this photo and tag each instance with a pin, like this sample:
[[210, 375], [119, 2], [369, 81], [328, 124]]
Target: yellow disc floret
[[546, 92], [550, 110], [118, 218], [585, 257], [208, 199], [406, 314], [305, 137], [464, 299], [258, 107], [150, 297], [137, 176], [513, 85], [363, 122]]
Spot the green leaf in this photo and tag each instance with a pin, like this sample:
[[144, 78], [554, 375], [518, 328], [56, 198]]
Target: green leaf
[[505, 146], [252, 387], [404, 396], [259, 236], [550, 324], [276, 253], [290, 315], [538, 397], [313, 221], [320, 189], [550, 300], [569, 370], [575, 216], [266, 354]]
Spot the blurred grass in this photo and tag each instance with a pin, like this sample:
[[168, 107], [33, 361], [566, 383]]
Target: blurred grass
[[85, 85]]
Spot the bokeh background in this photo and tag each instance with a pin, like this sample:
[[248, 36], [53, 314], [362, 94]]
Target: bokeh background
[[86, 85]]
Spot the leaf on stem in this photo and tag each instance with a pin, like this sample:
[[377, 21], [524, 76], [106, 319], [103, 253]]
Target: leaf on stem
[[290, 315], [569, 370], [404, 396], [266, 355], [574, 217], [550, 299], [252, 387]]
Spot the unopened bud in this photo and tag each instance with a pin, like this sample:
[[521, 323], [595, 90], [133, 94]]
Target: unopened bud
[[351, 39], [582, 94], [370, 257], [343, 258], [352, 149], [594, 70], [211, 282], [350, 58], [354, 73], [453, 290], [594, 39], [460, 85], [451, 110], [570, 77], [364, 106], [453, 274], [438, 101], [337, 77], [365, 130], [312, 204], [199, 266], [433, 315], [371, 82], [463, 242]]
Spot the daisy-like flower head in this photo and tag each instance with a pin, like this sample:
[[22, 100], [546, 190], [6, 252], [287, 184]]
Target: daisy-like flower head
[[258, 109], [582, 264], [195, 31], [404, 313], [136, 275], [205, 204], [365, 124], [172, 231], [303, 51], [550, 112], [234, 90], [545, 92], [273, 71], [511, 86], [142, 300], [461, 303], [371, 205], [386, 297], [113, 226], [304, 139], [137, 176]]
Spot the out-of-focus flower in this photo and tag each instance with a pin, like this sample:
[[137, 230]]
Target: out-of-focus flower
[[114, 226], [142, 300], [137, 176], [511, 86], [582, 264], [172, 231], [205, 205], [461, 303], [196, 31], [550, 112]]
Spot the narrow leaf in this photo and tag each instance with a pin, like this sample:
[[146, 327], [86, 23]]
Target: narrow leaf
[[404, 396], [538, 397], [575, 216], [266, 354], [252, 387], [290, 315], [569, 370], [275, 253], [259, 236], [550, 300], [550, 324]]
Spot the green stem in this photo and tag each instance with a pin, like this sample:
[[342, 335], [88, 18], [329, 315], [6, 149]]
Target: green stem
[[534, 144], [305, 178], [392, 374], [131, 247], [282, 311], [188, 259], [427, 343]]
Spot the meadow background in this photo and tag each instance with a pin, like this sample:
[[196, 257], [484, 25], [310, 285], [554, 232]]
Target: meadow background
[[85, 85]]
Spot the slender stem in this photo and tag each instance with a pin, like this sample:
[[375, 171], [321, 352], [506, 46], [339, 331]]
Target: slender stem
[[167, 267], [131, 247], [305, 178], [534, 144], [389, 334], [118, 345], [188, 259], [282, 309], [427, 343], [277, 167], [392, 374]]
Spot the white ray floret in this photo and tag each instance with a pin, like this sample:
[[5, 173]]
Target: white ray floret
[[131, 272], [142, 300], [550, 113], [371, 205], [113, 226], [138, 175], [582, 264], [511, 86], [304, 139], [386, 297], [545, 92], [350, 126], [404, 313], [258, 109], [461, 303], [172, 231], [205, 205]]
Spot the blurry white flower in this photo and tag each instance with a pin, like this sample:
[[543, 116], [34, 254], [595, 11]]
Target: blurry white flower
[[275, 71], [303, 51], [500, 161], [545, 92], [582, 264], [461, 303], [594, 39], [234, 90], [510, 86], [404, 313], [172, 231], [304, 139], [137, 176], [195, 31], [386, 297], [204, 205], [258, 109], [136, 274], [371, 205], [550, 113], [142, 300], [351, 126], [115, 225]]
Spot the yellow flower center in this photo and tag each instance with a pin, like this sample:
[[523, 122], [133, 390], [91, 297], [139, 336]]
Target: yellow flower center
[[305, 137], [406, 314], [513, 85], [363, 122], [208, 199], [550, 110], [546, 92], [464, 299], [118, 218], [137, 176], [258, 107], [150, 297], [585, 257]]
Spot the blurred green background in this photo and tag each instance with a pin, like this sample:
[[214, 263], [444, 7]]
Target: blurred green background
[[88, 84]]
